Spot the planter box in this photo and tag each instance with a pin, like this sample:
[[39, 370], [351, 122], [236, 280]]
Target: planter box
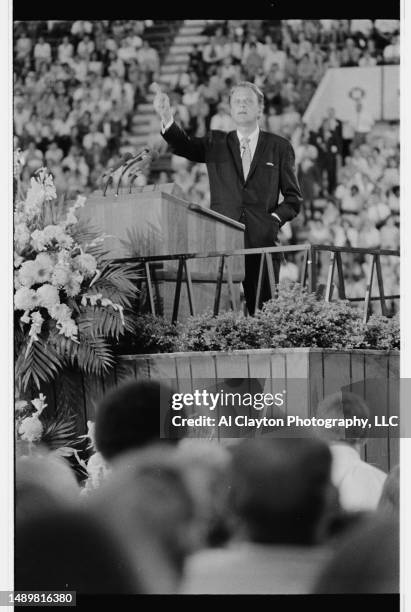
[[307, 375]]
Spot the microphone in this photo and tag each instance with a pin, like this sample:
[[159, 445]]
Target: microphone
[[143, 159], [116, 166]]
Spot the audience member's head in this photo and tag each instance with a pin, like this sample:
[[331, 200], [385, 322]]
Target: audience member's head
[[206, 466], [148, 502], [62, 550], [43, 483], [129, 417], [281, 489], [367, 561], [343, 405]]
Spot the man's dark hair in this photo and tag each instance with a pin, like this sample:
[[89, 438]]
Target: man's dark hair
[[132, 415], [280, 488]]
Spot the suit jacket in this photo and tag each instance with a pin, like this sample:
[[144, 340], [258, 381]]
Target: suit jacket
[[254, 199]]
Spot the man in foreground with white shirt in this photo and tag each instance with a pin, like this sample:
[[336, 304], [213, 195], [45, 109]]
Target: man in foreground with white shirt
[[247, 168], [359, 483]]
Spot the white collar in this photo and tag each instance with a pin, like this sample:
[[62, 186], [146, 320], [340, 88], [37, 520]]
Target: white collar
[[252, 137]]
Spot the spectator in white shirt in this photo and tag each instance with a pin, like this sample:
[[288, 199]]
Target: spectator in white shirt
[[65, 51], [148, 59], [366, 60], [274, 55], [94, 137], [85, 47], [23, 47], [362, 123], [213, 52], [42, 52], [126, 52], [81, 27], [359, 483], [54, 154], [391, 52]]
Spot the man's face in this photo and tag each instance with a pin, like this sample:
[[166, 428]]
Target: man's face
[[245, 109]]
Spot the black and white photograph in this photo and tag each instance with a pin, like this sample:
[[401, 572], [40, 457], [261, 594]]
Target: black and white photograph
[[206, 303]]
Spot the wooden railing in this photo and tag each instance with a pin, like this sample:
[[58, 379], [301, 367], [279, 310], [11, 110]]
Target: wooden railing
[[308, 273]]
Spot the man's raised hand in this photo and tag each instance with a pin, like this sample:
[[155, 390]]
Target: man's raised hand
[[161, 104]]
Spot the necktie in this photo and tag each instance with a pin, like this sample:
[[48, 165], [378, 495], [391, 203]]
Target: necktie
[[245, 156]]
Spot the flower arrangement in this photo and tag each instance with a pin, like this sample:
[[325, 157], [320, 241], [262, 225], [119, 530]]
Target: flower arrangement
[[69, 299], [72, 305]]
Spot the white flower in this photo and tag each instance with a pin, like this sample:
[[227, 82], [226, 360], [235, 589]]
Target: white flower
[[49, 189], [20, 405], [39, 403], [48, 296], [18, 260], [25, 318], [21, 236], [61, 275], [34, 200], [73, 286], [51, 233], [60, 312], [36, 325], [71, 218], [28, 273], [86, 263], [25, 299], [68, 328], [31, 428], [38, 240], [36, 271], [91, 427], [97, 470], [45, 266], [80, 202]]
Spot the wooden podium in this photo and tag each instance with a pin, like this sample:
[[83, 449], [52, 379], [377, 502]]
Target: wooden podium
[[156, 220]]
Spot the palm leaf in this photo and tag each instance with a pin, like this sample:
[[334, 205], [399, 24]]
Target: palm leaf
[[84, 231], [41, 363], [104, 322], [60, 431], [117, 284], [69, 392], [65, 347], [94, 355], [139, 242]]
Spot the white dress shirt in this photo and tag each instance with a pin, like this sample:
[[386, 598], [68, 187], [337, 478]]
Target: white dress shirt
[[359, 483], [252, 139]]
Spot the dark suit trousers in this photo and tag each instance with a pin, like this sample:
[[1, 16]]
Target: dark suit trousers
[[252, 265]]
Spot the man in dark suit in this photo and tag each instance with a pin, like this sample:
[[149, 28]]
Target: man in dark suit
[[247, 169]]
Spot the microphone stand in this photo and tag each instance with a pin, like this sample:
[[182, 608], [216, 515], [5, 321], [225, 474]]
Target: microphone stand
[[138, 158]]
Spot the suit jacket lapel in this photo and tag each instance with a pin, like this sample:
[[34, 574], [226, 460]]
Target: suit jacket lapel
[[234, 146], [261, 144]]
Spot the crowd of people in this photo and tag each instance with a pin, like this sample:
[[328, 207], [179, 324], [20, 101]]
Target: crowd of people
[[77, 87], [263, 515]]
